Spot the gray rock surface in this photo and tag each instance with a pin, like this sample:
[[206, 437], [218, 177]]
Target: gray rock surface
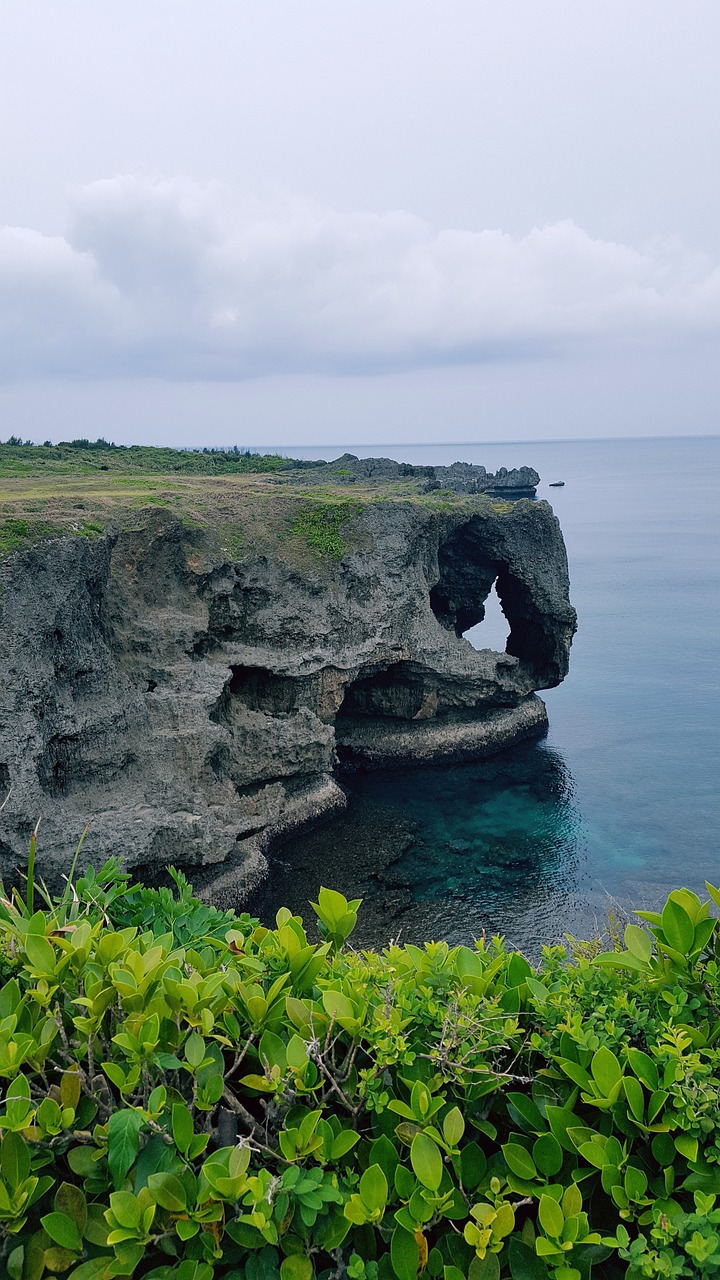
[[460, 477], [190, 706]]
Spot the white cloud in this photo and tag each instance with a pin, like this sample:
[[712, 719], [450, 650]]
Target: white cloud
[[165, 278]]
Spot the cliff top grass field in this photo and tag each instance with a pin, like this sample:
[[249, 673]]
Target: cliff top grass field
[[246, 500]]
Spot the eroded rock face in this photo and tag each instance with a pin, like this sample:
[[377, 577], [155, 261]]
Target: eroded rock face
[[192, 709]]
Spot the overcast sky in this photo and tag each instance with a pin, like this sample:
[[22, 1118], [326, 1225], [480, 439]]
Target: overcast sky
[[269, 222]]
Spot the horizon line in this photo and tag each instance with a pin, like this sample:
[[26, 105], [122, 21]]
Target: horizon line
[[457, 444]]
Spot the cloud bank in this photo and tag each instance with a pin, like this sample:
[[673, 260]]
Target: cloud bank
[[165, 278]]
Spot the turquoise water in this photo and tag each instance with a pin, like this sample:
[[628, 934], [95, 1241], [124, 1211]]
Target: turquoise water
[[621, 800]]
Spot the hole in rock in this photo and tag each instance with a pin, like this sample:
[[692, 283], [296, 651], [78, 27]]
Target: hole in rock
[[396, 691], [494, 630], [259, 690]]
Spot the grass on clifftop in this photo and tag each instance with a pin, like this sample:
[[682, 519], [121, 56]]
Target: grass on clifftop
[[86, 458], [246, 503], [321, 524]]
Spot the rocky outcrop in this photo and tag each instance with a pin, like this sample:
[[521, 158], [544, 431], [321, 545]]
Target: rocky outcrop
[[191, 707], [460, 477]]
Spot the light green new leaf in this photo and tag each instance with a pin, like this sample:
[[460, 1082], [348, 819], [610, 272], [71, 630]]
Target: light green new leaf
[[426, 1161], [453, 1127], [296, 1267], [638, 942], [551, 1216], [606, 1070], [373, 1188], [63, 1231]]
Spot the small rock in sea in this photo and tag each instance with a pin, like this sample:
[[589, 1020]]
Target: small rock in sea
[[556, 484]]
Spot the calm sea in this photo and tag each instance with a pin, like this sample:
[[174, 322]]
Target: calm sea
[[620, 801]]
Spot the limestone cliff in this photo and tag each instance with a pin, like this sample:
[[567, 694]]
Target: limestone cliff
[[191, 704]]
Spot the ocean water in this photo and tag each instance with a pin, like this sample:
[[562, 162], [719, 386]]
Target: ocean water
[[621, 800]]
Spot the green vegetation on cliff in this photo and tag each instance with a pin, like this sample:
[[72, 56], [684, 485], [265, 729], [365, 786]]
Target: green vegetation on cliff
[[190, 1095], [86, 458], [321, 525], [243, 502]]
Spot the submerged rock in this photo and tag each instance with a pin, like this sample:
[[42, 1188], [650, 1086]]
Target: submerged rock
[[190, 705]]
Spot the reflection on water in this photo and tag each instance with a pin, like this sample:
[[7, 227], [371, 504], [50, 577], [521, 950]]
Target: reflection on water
[[448, 853]]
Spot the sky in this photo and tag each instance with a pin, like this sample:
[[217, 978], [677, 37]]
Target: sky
[[267, 223]]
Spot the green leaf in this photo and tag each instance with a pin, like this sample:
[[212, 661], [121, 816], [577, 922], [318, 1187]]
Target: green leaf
[[123, 1142], [297, 1266], [15, 1263], [606, 1070], [639, 942], [383, 1152], [14, 1160], [550, 1216], [524, 1263], [572, 1200], [548, 1154], [519, 1161], [336, 1005], [487, 1268], [619, 960], [195, 1050], [426, 1161], [518, 970], [677, 927], [373, 1187], [703, 933], [528, 1114], [70, 1088], [655, 1104], [635, 1183], [404, 1254], [687, 1146], [70, 1200], [40, 953], [344, 1142], [167, 1191], [182, 1127], [63, 1231], [644, 1068], [453, 1127], [577, 1074], [635, 1097], [93, 1269]]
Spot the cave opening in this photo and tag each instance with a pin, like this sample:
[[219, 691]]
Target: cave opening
[[476, 582], [396, 692], [493, 631]]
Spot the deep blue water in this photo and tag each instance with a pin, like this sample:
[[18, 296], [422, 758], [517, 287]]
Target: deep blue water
[[621, 800]]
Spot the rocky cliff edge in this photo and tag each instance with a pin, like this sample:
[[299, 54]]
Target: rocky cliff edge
[[192, 705]]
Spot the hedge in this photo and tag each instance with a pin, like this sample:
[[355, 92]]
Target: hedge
[[189, 1095]]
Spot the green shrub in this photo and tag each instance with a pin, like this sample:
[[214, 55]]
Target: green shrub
[[189, 1095], [321, 523]]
